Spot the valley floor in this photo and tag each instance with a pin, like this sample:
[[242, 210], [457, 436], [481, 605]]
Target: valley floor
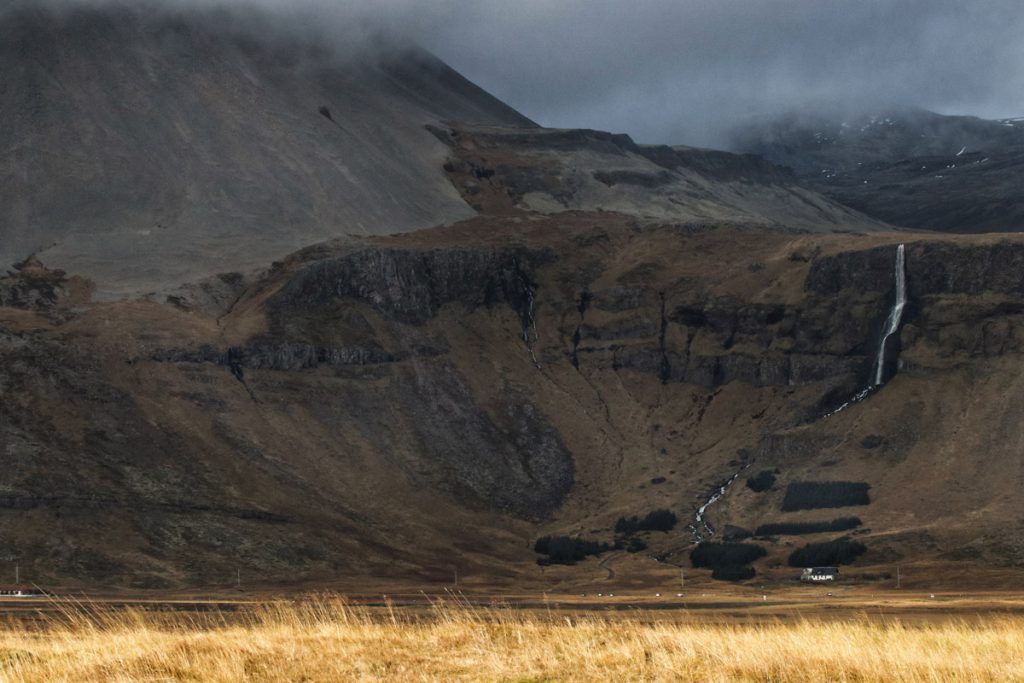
[[714, 637]]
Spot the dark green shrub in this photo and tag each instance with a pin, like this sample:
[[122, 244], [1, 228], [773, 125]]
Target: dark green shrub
[[871, 441], [733, 573], [658, 520], [762, 481], [735, 533], [798, 528], [566, 550], [635, 545], [829, 554], [810, 495], [725, 554]]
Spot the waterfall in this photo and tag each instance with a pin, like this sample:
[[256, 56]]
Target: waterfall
[[892, 323], [528, 317]]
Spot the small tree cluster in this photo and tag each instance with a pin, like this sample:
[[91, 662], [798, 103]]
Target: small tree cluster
[[732, 572], [658, 520], [829, 554], [810, 495], [566, 549], [713, 555], [762, 481], [635, 545]]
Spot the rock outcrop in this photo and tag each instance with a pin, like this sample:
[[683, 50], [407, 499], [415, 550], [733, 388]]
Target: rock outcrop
[[500, 170], [363, 408]]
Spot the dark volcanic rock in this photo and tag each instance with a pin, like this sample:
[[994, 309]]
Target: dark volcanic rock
[[31, 285], [631, 328], [411, 286], [870, 270], [509, 458], [648, 180], [619, 298], [265, 353], [719, 165], [932, 268], [936, 268]]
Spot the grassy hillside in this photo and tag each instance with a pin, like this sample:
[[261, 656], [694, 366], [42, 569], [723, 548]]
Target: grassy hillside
[[417, 405]]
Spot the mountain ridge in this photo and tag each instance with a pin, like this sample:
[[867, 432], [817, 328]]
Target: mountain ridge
[[908, 167], [582, 330], [148, 151], [143, 151]]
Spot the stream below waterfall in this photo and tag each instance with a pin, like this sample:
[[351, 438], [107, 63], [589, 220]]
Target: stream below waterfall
[[700, 527]]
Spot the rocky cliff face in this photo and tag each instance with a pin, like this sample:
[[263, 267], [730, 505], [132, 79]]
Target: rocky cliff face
[[389, 408], [412, 286], [962, 298], [592, 329]]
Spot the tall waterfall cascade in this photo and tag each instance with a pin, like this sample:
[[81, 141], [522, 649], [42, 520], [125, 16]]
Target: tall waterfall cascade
[[892, 323]]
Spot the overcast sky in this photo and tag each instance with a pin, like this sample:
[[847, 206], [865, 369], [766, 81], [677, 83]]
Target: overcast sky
[[685, 71]]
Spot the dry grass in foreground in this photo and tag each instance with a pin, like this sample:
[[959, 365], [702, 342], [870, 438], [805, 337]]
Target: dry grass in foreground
[[327, 640]]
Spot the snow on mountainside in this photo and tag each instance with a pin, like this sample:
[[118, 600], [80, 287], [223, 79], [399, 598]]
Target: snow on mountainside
[[909, 167]]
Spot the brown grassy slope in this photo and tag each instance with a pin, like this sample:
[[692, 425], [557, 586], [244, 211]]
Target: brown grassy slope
[[385, 471]]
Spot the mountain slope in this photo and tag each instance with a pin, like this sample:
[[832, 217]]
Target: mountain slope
[[550, 170], [142, 151], [381, 412], [908, 167], [610, 329]]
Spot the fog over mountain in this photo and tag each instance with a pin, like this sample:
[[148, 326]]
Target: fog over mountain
[[285, 295], [685, 72], [166, 148]]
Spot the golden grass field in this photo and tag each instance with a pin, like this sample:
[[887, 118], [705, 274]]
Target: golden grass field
[[327, 639]]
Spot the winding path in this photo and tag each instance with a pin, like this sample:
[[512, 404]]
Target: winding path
[[602, 564]]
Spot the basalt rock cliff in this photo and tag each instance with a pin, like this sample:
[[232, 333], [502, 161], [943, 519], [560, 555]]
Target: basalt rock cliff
[[564, 329], [393, 408]]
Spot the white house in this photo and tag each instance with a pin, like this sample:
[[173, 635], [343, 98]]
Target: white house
[[818, 574]]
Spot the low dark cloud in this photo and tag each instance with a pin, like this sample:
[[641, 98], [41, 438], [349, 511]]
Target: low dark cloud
[[685, 71]]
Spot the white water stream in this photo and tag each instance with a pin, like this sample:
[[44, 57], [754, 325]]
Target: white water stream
[[892, 323], [699, 526]]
